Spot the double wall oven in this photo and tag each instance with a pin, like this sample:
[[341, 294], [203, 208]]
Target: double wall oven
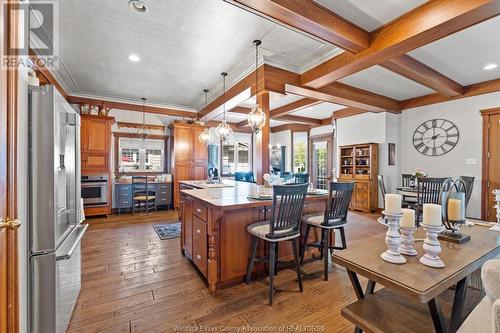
[[95, 190]]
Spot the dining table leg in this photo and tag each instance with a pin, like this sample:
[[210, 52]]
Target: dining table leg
[[458, 305], [437, 316], [370, 287]]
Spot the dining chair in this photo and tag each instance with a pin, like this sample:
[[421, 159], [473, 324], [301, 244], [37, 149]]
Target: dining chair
[[143, 193], [469, 186], [239, 176], [381, 186], [284, 225], [406, 179], [428, 191], [249, 177], [335, 217], [301, 178]]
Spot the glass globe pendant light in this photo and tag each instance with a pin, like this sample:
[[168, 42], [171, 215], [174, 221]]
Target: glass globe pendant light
[[256, 118], [205, 136], [224, 131], [143, 132]]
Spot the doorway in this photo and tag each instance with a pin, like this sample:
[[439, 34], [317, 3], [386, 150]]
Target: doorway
[[491, 161], [320, 161]]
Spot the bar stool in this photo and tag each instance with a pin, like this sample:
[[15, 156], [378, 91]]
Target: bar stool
[[286, 213], [335, 217]]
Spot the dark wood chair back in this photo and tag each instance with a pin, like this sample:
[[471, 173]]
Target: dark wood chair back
[[239, 176], [338, 203], [429, 190], [406, 179], [286, 212], [301, 178], [381, 185], [249, 178], [469, 186]]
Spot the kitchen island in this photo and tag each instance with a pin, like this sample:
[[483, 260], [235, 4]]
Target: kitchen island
[[214, 218]]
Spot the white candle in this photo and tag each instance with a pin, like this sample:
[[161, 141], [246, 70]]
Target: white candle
[[408, 219], [393, 203], [455, 212], [432, 215]]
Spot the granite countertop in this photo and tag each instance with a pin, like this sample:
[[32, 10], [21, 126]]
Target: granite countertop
[[233, 195]]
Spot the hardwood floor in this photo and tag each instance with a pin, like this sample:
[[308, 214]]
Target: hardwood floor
[[134, 282]]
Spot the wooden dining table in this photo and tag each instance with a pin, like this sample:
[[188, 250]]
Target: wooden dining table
[[409, 301], [407, 191]]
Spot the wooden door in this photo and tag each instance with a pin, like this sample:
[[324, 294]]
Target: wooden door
[[491, 161], [9, 302]]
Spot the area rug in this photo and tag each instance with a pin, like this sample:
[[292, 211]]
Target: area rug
[[168, 231]]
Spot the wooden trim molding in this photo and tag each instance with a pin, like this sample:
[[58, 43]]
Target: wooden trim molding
[[131, 107], [123, 124], [291, 127], [44, 75]]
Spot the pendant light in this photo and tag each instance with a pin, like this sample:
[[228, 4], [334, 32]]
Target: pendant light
[[224, 131], [256, 118], [205, 136], [143, 132]]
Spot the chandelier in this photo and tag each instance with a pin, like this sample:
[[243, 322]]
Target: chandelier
[[224, 131], [256, 118], [205, 136], [143, 132]]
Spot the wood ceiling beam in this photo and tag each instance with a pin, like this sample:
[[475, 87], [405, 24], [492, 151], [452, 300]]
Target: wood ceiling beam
[[475, 89], [312, 18], [433, 20], [294, 106], [415, 70], [131, 107], [300, 120], [234, 126], [124, 124], [291, 127], [349, 96], [242, 123], [347, 112]]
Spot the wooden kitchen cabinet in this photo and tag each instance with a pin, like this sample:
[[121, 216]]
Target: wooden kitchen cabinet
[[189, 156], [95, 143]]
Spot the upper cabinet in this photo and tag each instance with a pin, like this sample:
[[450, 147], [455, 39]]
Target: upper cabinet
[[95, 143]]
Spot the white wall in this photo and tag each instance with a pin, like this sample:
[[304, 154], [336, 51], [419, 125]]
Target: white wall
[[284, 138], [464, 113]]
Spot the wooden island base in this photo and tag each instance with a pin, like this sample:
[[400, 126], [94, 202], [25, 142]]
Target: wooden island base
[[214, 234]]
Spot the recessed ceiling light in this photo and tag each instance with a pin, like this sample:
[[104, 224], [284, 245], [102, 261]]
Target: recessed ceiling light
[[134, 57], [489, 67], [138, 6], [310, 108]]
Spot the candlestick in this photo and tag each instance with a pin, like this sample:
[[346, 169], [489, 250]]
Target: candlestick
[[393, 239], [407, 241], [408, 219], [432, 215], [392, 203], [432, 247]]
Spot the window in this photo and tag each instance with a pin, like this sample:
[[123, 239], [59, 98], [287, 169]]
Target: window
[[137, 155], [236, 155], [299, 152]]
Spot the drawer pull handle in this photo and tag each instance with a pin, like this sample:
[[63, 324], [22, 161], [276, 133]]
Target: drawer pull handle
[[198, 211], [198, 231], [198, 257]]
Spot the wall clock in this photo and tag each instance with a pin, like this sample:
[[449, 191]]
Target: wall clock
[[435, 137]]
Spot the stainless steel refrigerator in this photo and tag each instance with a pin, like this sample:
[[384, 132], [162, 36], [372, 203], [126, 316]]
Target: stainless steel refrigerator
[[55, 228]]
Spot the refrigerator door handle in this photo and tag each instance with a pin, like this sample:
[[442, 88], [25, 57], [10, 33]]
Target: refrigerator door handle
[[69, 253]]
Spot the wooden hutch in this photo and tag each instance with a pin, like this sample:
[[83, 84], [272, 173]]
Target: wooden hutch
[[189, 156], [359, 163]]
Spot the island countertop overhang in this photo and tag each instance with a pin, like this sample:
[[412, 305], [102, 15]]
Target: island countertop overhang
[[234, 195]]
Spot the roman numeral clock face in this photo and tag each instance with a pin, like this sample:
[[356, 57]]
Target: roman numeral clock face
[[435, 137]]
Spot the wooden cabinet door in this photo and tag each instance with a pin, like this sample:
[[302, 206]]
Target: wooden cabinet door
[[362, 196], [95, 162], [183, 142], [199, 172], [200, 150], [187, 224], [200, 245], [96, 135]]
